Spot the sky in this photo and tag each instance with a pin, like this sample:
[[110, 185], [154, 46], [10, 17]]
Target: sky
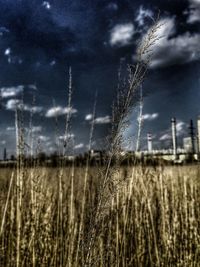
[[41, 40]]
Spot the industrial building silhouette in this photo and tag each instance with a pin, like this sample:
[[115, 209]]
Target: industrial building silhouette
[[189, 152], [190, 145]]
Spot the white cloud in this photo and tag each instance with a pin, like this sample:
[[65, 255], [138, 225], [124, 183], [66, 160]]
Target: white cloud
[[34, 109], [150, 117], [3, 30], [46, 4], [180, 130], [7, 52], [165, 136], [180, 127], [59, 111], [170, 50], [52, 63], [36, 129], [7, 92], [79, 146], [180, 50], [65, 137], [13, 91], [142, 15], [88, 117], [122, 34], [194, 11], [12, 58], [44, 138], [12, 104], [32, 86], [167, 29], [102, 120], [98, 120], [112, 6], [10, 129]]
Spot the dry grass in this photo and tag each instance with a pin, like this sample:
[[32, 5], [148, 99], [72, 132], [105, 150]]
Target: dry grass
[[154, 220], [104, 217]]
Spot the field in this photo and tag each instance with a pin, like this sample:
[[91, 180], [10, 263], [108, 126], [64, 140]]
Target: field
[[61, 217]]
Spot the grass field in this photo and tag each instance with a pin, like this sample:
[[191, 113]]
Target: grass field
[[47, 217]]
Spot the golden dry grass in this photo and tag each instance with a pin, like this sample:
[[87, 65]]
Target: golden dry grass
[[152, 220]]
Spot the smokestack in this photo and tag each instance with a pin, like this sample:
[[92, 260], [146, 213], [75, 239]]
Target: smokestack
[[149, 142], [192, 136], [174, 137]]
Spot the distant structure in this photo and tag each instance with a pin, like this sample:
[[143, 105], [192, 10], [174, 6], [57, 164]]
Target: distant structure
[[190, 146], [149, 143], [192, 136], [189, 151], [174, 138]]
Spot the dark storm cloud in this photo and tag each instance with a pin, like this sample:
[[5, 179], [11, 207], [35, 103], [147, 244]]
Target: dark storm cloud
[[173, 49], [194, 11], [32, 31], [68, 30]]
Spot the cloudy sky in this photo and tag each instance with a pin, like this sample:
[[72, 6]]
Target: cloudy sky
[[40, 40]]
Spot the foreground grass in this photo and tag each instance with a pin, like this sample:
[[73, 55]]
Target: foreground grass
[[153, 219]]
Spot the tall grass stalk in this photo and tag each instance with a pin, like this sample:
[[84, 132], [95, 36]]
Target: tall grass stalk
[[99, 216], [121, 110]]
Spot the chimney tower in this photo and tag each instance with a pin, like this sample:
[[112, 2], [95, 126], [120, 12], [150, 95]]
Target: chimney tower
[[174, 137], [192, 136], [149, 143]]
